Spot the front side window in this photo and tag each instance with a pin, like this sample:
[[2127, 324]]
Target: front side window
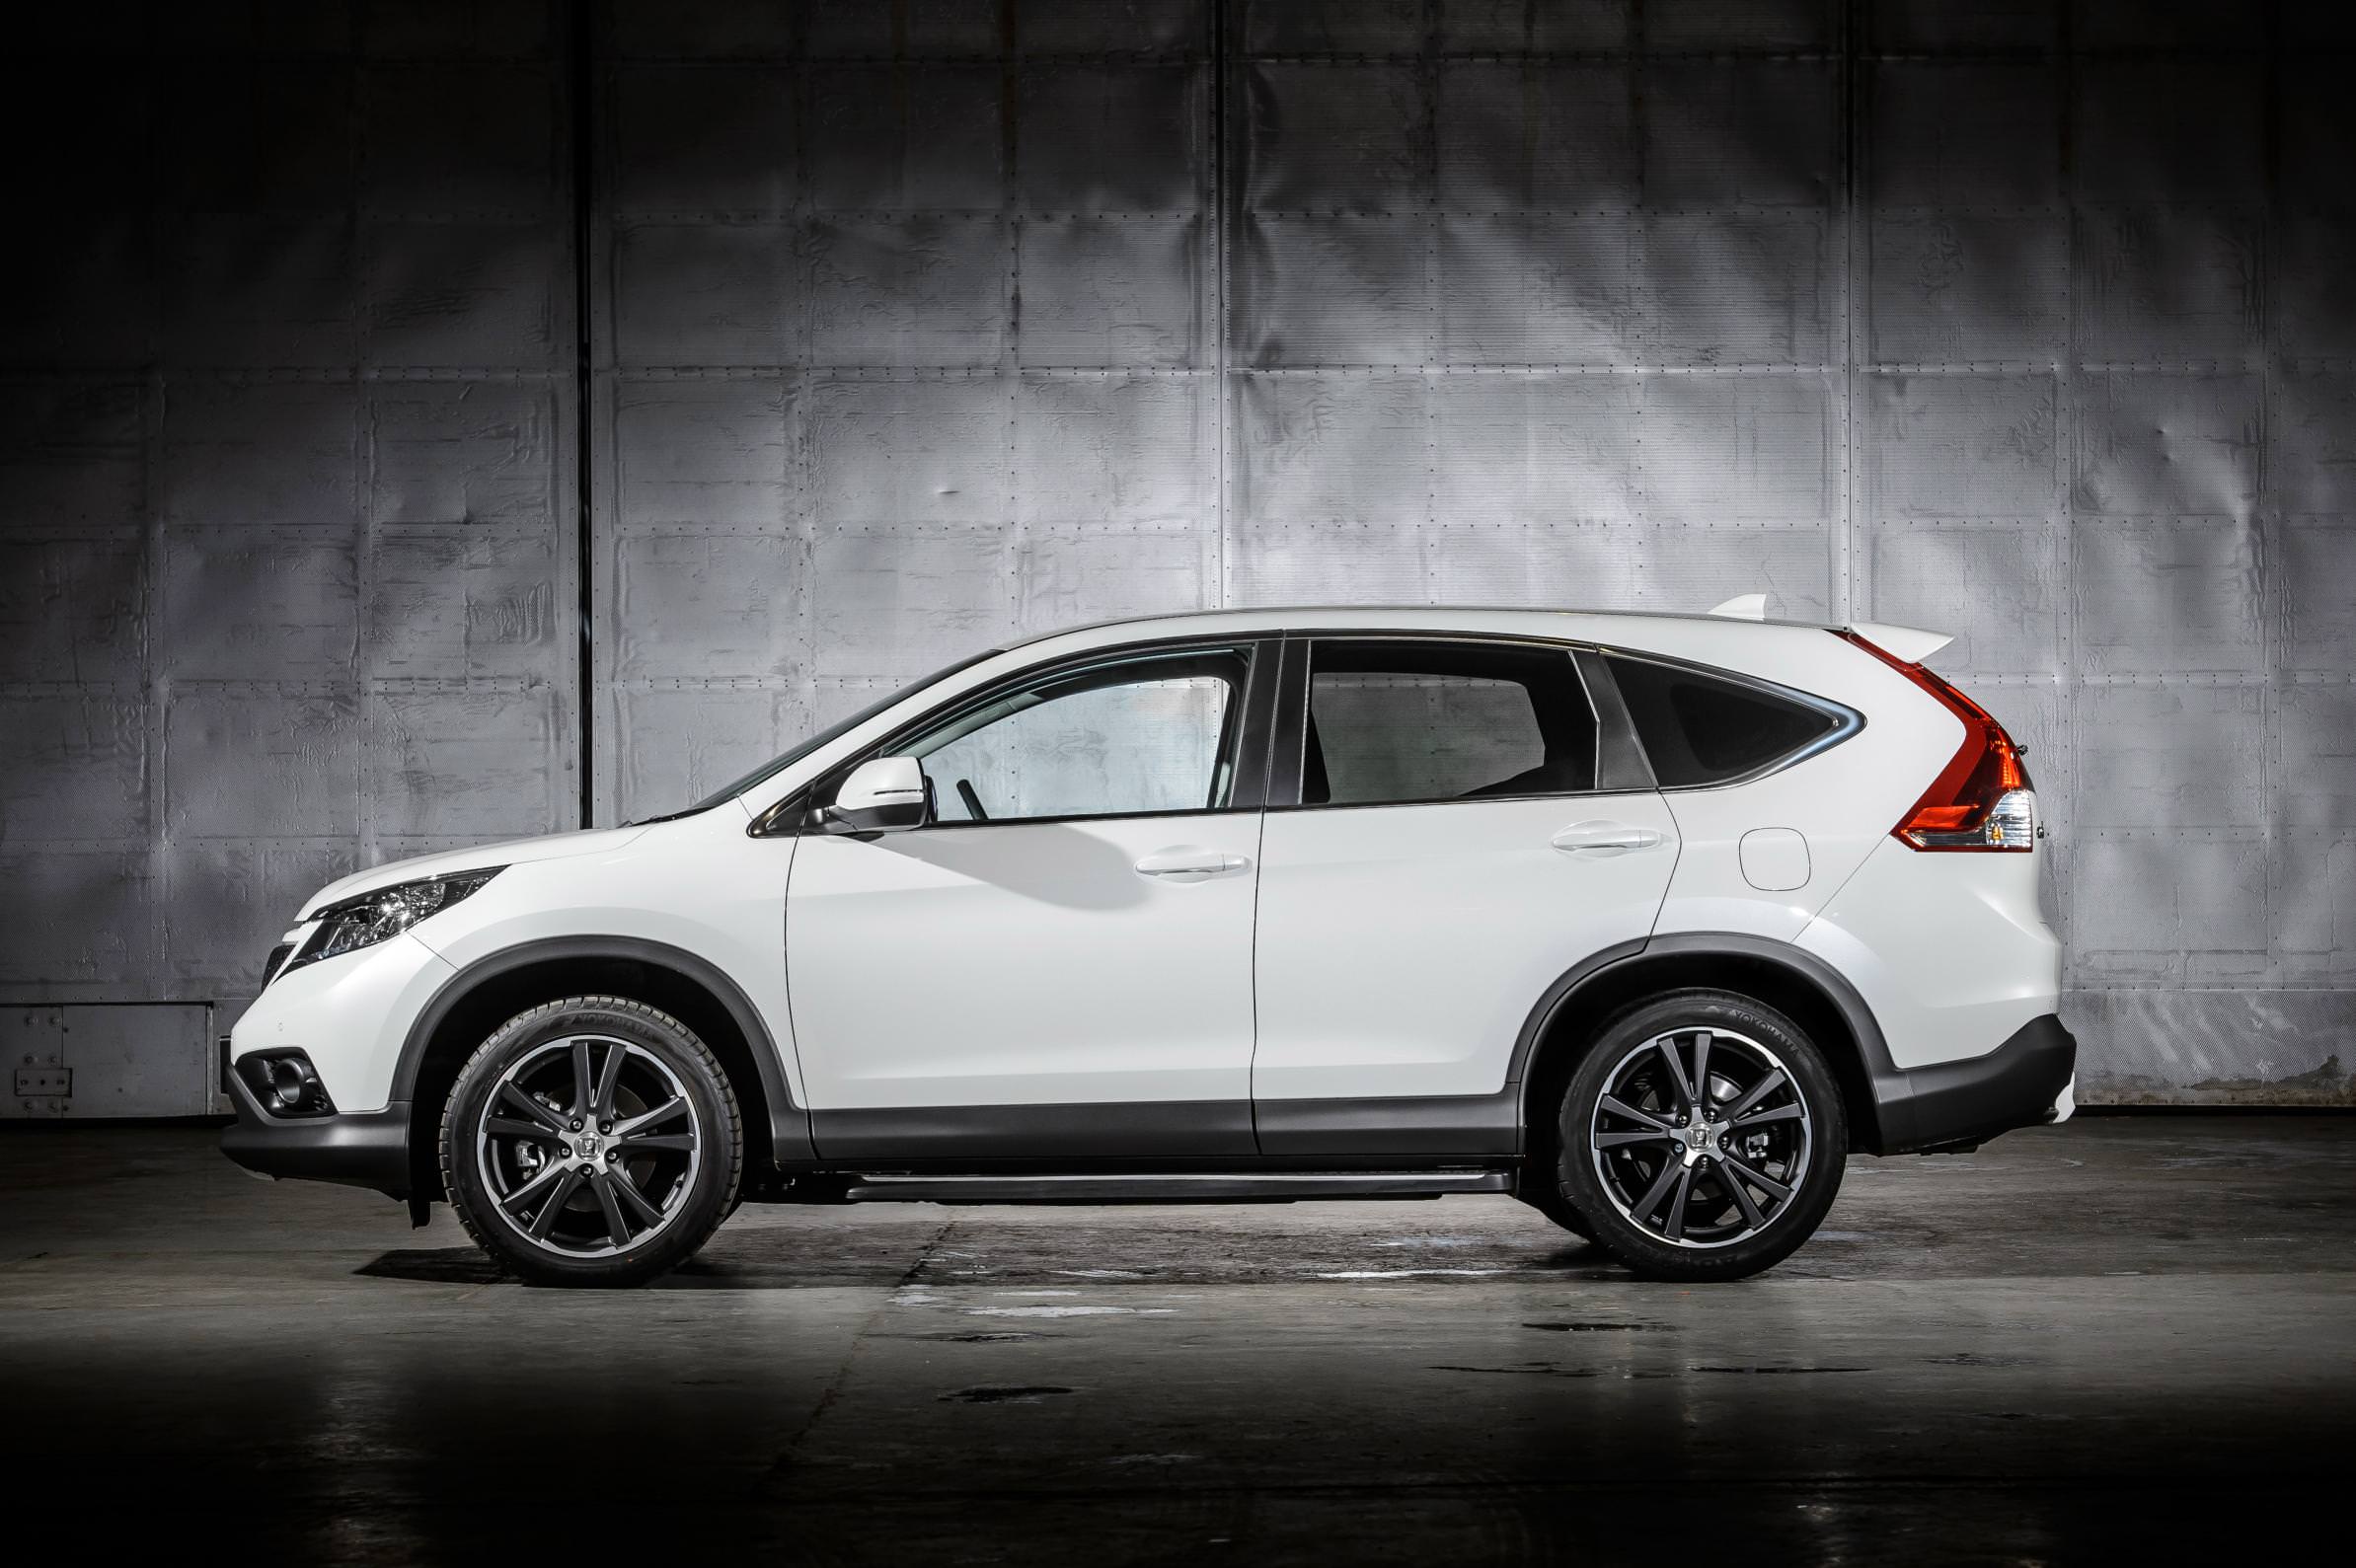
[[1144, 736], [1393, 722]]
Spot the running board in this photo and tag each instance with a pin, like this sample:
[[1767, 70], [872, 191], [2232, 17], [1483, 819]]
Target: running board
[[1269, 1187]]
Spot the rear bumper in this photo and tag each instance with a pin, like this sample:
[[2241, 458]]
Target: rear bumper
[[360, 1149], [2018, 1084]]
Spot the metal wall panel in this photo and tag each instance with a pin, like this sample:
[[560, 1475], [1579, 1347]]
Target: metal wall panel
[[923, 326], [286, 506]]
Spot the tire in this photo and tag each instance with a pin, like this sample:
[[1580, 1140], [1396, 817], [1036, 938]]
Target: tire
[[1544, 1192], [664, 1159], [1679, 1186]]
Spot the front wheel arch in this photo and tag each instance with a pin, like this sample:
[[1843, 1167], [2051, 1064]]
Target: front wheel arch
[[485, 994]]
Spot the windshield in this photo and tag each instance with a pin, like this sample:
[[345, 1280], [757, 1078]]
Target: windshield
[[829, 735]]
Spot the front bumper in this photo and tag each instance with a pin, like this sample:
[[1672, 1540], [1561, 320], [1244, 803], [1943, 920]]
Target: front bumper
[[2019, 1084], [360, 1149]]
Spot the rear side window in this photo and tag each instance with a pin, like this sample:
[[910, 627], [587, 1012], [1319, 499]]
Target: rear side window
[[1392, 722], [1699, 730]]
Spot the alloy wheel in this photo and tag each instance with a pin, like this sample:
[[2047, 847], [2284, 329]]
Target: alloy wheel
[[1701, 1136], [590, 1146]]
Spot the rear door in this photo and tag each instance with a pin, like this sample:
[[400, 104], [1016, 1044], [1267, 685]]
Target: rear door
[[1450, 830]]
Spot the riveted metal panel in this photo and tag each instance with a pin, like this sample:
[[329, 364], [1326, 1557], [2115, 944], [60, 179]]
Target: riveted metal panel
[[910, 451], [2166, 284], [1733, 448], [1101, 451], [1072, 572], [1741, 288], [136, 1060], [2152, 445], [707, 294], [75, 767], [1112, 138], [704, 451], [2002, 588], [1341, 449], [1741, 132], [72, 609], [246, 604], [465, 764], [1962, 445], [899, 602], [473, 295], [1543, 450], [1335, 290], [2319, 756], [1540, 136], [1519, 290], [689, 603], [894, 291], [2167, 911], [1963, 133], [1116, 292], [468, 452], [2172, 757], [1959, 286], [458, 604], [2319, 604], [687, 740], [2166, 597]]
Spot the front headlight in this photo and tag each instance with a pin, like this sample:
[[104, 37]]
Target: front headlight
[[371, 918]]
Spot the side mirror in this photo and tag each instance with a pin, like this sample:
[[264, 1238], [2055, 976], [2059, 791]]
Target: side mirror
[[887, 794]]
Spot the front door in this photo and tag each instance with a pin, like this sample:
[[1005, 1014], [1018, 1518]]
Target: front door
[[1450, 856], [1060, 965]]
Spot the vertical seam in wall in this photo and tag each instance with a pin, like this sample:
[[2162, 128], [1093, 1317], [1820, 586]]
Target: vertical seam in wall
[[1222, 393], [2064, 504], [581, 43], [2270, 532], [1855, 259]]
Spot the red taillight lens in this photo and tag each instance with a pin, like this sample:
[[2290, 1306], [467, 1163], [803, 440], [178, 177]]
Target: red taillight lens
[[1983, 798]]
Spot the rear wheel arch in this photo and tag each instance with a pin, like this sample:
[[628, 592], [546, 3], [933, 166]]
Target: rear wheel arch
[[1575, 1011], [481, 998]]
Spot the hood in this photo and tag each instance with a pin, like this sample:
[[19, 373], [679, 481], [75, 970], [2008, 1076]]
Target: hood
[[514, 851]]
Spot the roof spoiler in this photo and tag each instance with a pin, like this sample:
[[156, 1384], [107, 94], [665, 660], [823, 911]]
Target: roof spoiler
[[1905, 643]]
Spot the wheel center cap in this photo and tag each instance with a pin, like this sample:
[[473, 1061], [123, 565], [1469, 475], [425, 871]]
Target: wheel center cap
[[588, 1146], [1702, 1138]]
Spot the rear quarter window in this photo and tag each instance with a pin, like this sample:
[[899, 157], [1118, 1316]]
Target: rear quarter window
[[1701, 730]]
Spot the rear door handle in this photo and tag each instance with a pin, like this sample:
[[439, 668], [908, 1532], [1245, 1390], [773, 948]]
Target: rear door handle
[[1606, 838], [1189, 864]]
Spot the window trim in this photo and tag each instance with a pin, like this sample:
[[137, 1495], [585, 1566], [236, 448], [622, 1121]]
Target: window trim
[[1246, 729], [1287, 753], [1846, 723]]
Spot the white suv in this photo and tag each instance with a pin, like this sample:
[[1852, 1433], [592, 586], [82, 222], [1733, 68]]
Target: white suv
[[1649, 920]]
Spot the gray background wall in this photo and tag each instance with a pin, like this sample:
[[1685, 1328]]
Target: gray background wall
[[914, 327]]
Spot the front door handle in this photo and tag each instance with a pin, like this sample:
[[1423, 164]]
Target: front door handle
[[1189, 864], [1606, 838]]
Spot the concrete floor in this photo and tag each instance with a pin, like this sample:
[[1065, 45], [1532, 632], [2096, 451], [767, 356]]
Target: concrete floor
[[2121, 1336]]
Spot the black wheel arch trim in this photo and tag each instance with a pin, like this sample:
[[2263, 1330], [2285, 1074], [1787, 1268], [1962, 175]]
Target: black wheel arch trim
[[1945, 1103], [789, 1121]]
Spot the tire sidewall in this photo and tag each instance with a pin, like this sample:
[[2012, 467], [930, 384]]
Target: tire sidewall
[[1636, 1247], [707, 1202]]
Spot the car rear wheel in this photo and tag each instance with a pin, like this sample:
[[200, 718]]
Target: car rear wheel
[[591, 1140], [1703, 1137]]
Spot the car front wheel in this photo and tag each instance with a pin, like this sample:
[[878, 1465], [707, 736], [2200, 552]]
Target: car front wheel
[[1703, 1137], [591, 1140]]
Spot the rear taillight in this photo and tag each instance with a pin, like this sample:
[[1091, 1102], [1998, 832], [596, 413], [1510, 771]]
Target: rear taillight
[[1983, 798]]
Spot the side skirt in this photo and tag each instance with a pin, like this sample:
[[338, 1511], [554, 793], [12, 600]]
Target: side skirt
[[1175, 1187]]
